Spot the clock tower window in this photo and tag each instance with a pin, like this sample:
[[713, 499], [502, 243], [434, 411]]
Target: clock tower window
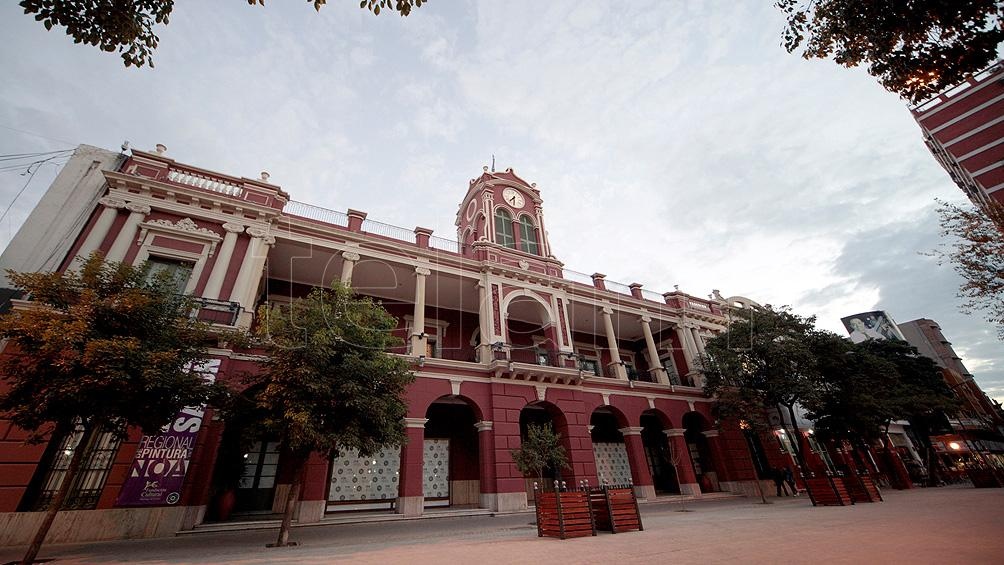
[[528, 235], [503, 229]]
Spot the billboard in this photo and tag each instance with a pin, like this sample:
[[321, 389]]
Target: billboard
[[871, 325]]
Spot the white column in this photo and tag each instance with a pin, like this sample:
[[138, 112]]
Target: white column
[[418, 339], [484, 323], [349, 259], [695, 369], [699, 341], [615, 353], [100, 229], [128, 232], [222, 264], [250, 273], [653, 352], [681, 334]]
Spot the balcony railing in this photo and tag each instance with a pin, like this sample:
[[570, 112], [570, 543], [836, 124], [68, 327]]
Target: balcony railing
[[205, 182], [444, 244], [222, 312], [311, 212], [534, 357]]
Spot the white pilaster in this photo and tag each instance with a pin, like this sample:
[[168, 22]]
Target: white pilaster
[[127, 234], [219, 273], [100, 229], [246, 285]]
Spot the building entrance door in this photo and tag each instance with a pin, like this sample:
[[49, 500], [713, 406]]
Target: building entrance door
[[257, 486]]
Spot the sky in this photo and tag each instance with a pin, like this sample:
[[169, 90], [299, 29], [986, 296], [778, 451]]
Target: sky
[[674, 143]]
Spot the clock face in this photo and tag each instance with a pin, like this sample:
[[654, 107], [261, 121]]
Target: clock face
[[513, 198]]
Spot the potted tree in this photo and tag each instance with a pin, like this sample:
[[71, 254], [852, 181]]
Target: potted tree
[[540, 451]]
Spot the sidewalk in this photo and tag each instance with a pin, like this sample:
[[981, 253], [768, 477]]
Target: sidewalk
[[947, 525]]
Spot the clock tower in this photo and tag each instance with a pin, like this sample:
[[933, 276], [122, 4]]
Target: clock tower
[[501, 220]]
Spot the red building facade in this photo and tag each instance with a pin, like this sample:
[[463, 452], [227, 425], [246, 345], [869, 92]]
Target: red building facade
[[964, 129], [499, 334]]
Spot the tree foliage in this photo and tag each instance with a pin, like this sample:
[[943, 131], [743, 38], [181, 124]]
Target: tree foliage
[[915, 48], [99, 349], [327, 384], [863, 387], [541, 450], [977, 254], [102, 346], [763, 357], [127, 26]]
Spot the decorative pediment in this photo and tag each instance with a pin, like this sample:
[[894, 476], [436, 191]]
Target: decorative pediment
[[185, 225], [185, 228]]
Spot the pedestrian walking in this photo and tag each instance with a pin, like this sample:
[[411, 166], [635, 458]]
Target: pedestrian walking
[[778, 475], [789, 479]]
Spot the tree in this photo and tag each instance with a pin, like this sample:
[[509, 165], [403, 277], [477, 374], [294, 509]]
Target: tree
[[761, 363], [541, 450], [977, 254], [856, 390], [915, 48], [328, 385], [127, 26], [99, 349], [862, 388]]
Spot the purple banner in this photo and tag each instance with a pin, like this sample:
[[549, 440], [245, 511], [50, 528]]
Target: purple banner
[[161, 462]]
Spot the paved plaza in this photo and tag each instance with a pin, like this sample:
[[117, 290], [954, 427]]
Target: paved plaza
[[946, 525]]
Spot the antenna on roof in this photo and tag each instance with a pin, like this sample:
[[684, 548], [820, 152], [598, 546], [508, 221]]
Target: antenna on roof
[[493, 162]]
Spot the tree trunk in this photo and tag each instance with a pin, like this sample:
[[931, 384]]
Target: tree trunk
[[756, 476], [796, 440], [291, 499], [57, 501]]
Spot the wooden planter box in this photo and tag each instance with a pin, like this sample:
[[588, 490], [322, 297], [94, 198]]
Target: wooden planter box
[[564, 514], [862, 488], [828, 491], [615, 509]]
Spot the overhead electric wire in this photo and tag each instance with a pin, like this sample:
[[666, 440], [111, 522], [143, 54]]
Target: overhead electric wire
[[36, 134], [19, 193], [18, 156]]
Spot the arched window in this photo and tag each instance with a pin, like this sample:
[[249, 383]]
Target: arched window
[[528, 235], [503, 229]]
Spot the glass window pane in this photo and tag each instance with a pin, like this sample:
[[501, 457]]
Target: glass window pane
[[176, 272], [503, 229], [528, 235]]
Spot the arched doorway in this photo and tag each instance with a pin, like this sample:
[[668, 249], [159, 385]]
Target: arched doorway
[[609, 450], [530, 331], [695, 425], [658, 453], [450, 466], [547, 414]]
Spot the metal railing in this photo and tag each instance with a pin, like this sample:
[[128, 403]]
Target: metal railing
[[223, 312], [619, 288], [311, 212], [387, 230], [443, 244], [652, 295], [575, 276], [531, 356]]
